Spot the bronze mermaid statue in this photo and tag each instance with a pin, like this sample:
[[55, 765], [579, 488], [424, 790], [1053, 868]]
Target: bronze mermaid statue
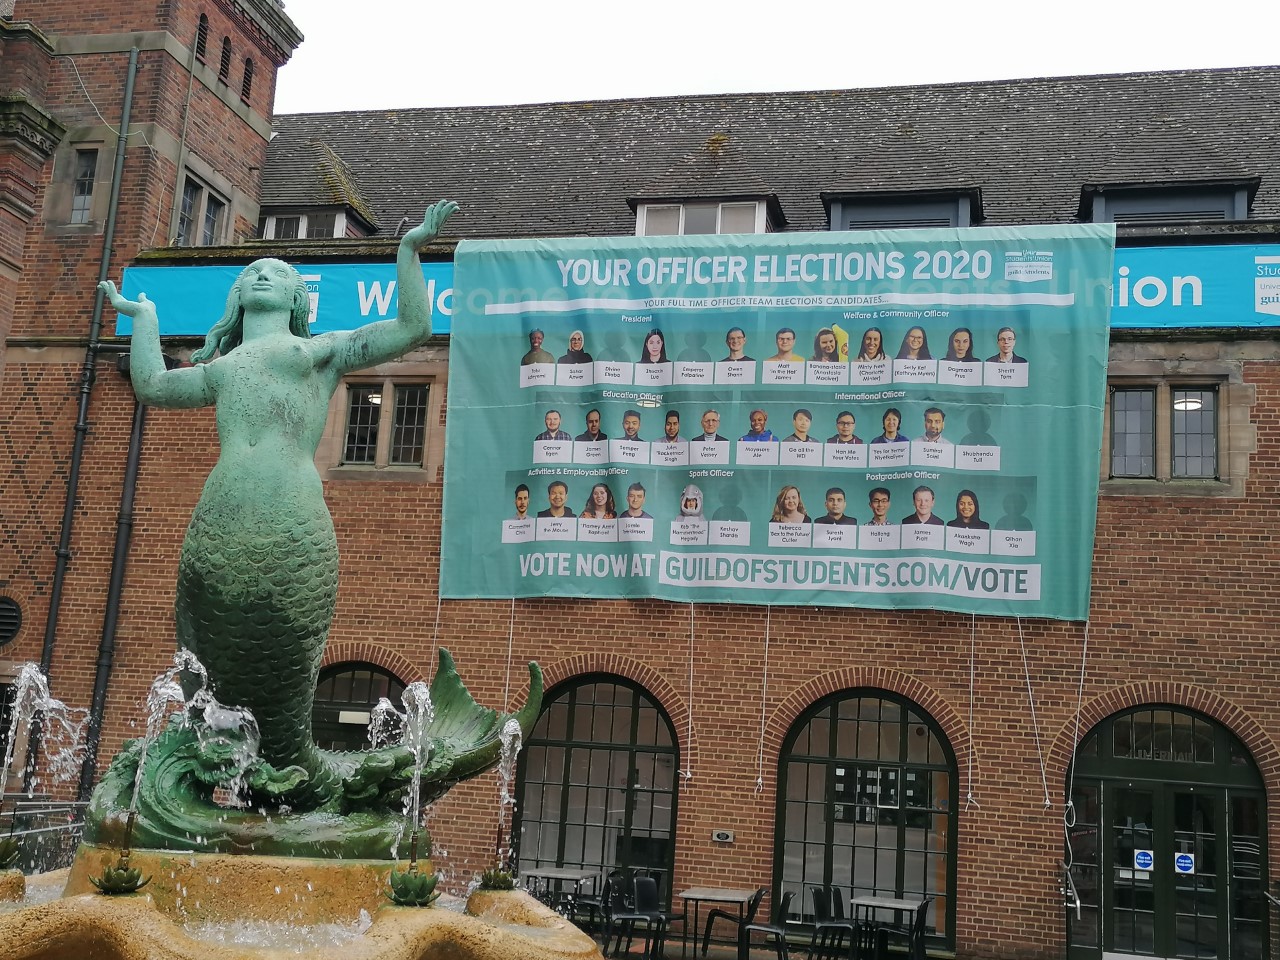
[[257, 586]]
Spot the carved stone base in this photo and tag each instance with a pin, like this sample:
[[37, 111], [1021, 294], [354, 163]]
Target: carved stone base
[[192, 888]]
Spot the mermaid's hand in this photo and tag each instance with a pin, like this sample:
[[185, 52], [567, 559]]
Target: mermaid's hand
[[142, 307], [432, 221]]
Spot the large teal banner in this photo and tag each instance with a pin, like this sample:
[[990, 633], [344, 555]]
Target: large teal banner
[[882, 419]]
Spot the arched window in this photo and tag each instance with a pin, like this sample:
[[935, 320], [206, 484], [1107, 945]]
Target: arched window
[[867, 800], [596, 781], [1168, 843], [246, 84], [202, 38], [345, 693], [224, 64]]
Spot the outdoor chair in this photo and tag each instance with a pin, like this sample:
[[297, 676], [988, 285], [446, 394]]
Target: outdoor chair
[[648, 901], [830, 925], [748, 916], [775, 933], [915, 934], [870, 941], [596, 902], [622, 918]]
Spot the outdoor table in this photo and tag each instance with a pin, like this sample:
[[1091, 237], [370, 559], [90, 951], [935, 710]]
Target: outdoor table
[[553, 877], [870, 904], [700, 895]]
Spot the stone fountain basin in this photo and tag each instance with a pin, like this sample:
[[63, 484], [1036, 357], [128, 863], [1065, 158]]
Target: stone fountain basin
[[195, 888]]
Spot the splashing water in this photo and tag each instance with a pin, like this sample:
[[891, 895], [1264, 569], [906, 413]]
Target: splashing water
[[228, 732], [413, 725], [512, 740], [279, 935], [163, 699], [63, 739]]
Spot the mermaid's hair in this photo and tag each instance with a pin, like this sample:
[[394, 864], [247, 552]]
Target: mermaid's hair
[[228, 332]]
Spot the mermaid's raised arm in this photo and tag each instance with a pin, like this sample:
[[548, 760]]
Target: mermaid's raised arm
[[183, 387], [379, 342]]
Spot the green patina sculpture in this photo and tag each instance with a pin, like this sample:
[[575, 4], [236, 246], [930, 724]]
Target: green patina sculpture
[[257, 585]]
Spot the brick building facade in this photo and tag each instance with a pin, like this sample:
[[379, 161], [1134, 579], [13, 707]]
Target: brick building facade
[[715, 774]]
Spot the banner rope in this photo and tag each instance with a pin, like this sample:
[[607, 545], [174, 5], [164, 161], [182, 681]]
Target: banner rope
[[687, 773], [1069, 811], [511, 630], [764, 691], [1035, 724], [969, 799]]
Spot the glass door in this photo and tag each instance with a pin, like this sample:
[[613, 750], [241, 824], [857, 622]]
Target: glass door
[[1168, 894]]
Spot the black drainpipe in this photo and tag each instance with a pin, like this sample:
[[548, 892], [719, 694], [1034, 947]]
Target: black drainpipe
[[88, 374], [119, 561]]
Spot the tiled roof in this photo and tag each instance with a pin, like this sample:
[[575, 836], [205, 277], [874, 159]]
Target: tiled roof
[[565, 169]]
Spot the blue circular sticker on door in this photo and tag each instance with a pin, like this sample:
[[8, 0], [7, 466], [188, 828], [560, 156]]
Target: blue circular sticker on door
[[1185, 863], [1143, 859]]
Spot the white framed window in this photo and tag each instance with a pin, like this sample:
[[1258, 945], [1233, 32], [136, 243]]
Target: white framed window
[[702, 217], [202, 215], [311, 224]]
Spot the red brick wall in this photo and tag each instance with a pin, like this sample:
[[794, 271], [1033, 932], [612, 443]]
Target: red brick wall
[[1185, 599]]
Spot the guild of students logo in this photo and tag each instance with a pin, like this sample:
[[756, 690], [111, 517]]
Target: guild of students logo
[[1266, 285], [1028, 266]]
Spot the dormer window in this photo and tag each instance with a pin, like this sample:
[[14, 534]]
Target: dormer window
[[309, 224], [899, 210], [1166, 203], [701, 217]]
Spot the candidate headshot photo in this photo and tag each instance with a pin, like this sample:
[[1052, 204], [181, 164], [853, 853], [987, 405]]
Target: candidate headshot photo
[[935, 422], [635, 503], [786, 340], [736, 341], [631, 426], [891, 422], [759, 432], [960, 346], [655, 347], [824, 347], [671, 427], [836, 505], [915, 345], [872, 347], [801, 421], [592, 434], [691, 501], [1006, 339], [968, 513], [557, 497], [922, 497], [845, 423], [878, 499], [536, 354], [788, 507], [522, 502], [710, 427], [575, 353], [600, 505], [553, 431]]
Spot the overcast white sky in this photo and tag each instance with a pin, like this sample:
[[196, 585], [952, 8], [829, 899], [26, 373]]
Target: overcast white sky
[[411, 53]]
